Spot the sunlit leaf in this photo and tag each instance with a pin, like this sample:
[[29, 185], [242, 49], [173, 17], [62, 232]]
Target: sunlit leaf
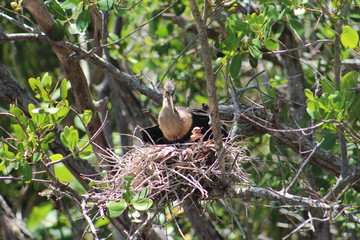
[[349, 37], [68, 4], [62, 173], [56, 157], [142, 204], [271, 44], [64, 88], [309, 94], [86, 117], [38, 213]]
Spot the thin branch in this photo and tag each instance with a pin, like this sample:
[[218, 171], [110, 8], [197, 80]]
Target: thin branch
[[19, 23], [272, 195], [342, 184], [88, 219], [303, 164], [95, 49]]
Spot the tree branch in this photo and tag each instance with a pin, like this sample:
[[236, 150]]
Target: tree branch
[[272, 195], [72, 70], [210, 79]]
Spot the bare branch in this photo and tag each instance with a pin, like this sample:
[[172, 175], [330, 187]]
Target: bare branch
[[272, 195], [210, 79]]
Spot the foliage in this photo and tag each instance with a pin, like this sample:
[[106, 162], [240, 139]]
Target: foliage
[[156, 39]]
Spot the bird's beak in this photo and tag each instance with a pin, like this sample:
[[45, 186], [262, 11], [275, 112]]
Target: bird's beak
[[171, 102]]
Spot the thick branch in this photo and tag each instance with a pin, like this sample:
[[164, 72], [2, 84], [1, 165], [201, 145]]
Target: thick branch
[[210, 78], [71, 67]]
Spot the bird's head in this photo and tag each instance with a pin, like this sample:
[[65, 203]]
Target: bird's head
[[169, 89]]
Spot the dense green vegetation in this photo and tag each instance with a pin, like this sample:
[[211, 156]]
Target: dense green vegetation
[[82, 73]]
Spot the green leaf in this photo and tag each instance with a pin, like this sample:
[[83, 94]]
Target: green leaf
[[86, 117], [271, 12], [128, 195], [2, 165], [56, 157], [298, 27], [64, 88], [68, 4], [46, 82], [309, 94], [115, 209], [350, 80], [27, 173], [83, 20], [5, 153], [140, 195], [285, 11], [256, 42], [34, 84], [349, 37], [253, 61], [271, 44], [231, 41], [69, 137], [162, 31], [36, 157], [255, 52], [56, 10], [62, 173], [235, 66], [142, 204], [73, 138], [105, 5], [38, 213], [49, 138], [128, 178], [326, 86], [18, 131]]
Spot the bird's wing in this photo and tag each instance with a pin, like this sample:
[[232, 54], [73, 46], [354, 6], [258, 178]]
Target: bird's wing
[[202, 118], [198, 112], [153, 135]]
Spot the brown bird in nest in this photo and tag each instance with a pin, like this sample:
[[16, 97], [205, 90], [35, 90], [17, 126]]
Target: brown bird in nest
[[178, 123]]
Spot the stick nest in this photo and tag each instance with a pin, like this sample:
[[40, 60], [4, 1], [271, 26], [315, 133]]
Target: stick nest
[[172, 173]]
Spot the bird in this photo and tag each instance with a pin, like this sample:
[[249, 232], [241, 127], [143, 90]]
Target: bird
[[176, 124]]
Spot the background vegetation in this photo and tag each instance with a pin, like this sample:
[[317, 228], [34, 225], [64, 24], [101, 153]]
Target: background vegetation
[[80, 77]]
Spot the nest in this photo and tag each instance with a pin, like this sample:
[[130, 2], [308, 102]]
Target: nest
[[173, 173]]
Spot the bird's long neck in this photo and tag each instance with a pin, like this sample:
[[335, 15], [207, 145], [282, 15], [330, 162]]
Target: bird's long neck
[[168, 115]]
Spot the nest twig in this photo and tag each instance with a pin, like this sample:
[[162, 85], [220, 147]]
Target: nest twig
[[172, 173]]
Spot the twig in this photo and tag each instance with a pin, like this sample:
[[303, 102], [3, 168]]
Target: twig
[[303, 164], [95, 49], [272, 195], [341, 184], [88, 219]]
